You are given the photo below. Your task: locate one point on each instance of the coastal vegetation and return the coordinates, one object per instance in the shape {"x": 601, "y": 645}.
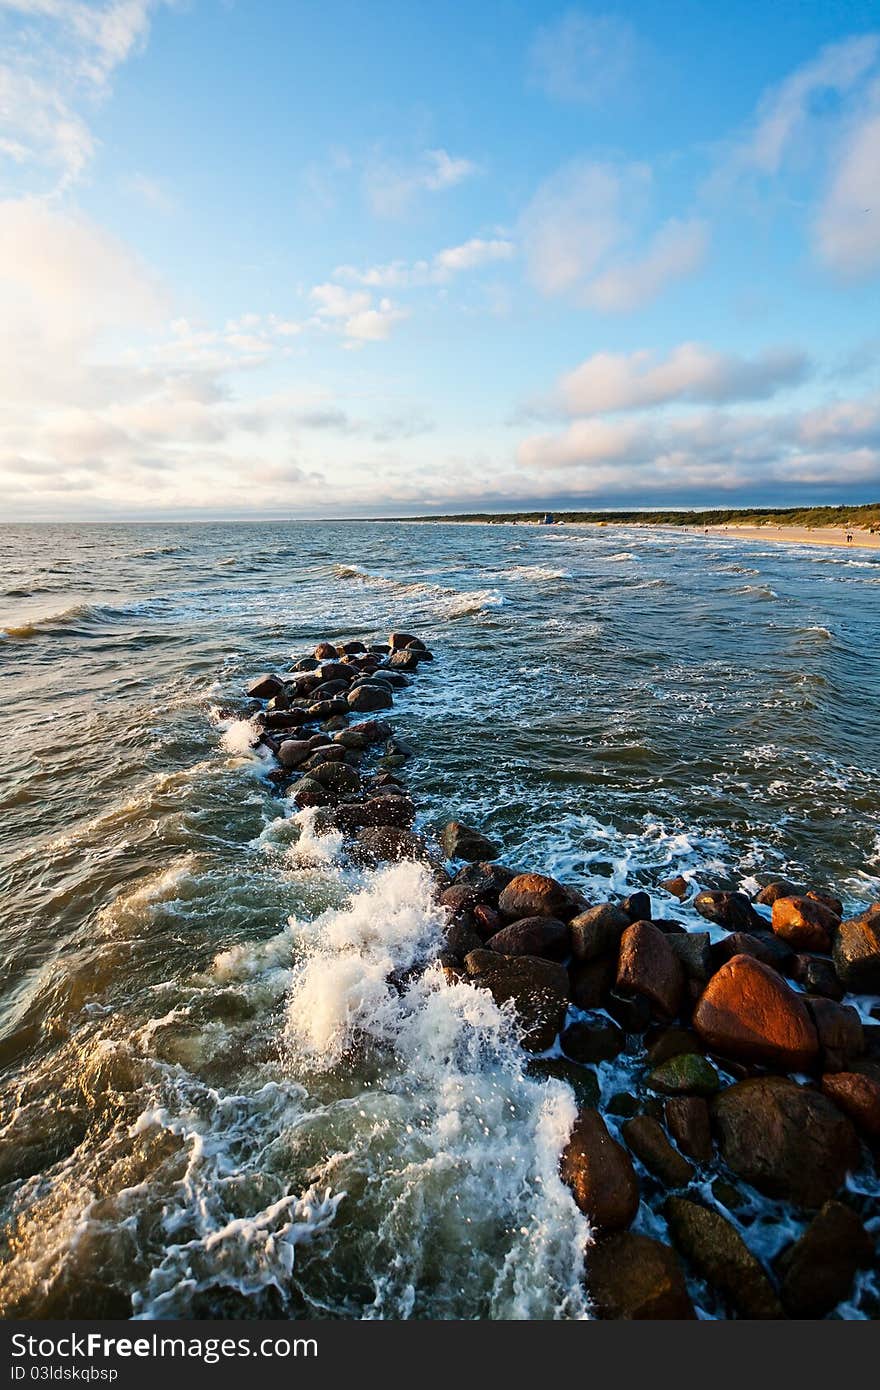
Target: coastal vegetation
{"x": 864, "y": 516}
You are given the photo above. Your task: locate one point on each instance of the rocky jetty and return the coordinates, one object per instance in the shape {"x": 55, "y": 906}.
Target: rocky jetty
{"x": 746, "y": 1055}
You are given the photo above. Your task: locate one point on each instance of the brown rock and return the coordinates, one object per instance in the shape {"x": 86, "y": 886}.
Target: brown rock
{"x": 749, "y": 1013}
{"x": 765, "y": 947}
{"x": 634, "y": 1278}
{"x": 600, "y": 1174}
{"x": 459, "y": 841}
{"x": 718, "y": 1252}
{"x": 325, "y": 651}
{"x": 839, "y": 1028}
{"x": 597, "y": 931}
{"x": 857, "y": 951}
{"x": 645, "y": 1137}
{"x": 368, "y": 697}
{"x": 787, "y": 1140}
{"x": 538, "y": 989}
{"x": 828, "y": 900}
{"x": 687, "y": 1119}
{"x": 591, "y": 980}
{"x": 858, "y": 1097}
{"x": 679, "y": 886}
{"x": 647, "y": 965}
{"x": 817, "y": 1272}
{"x": 387, "y": 842}
{"x": 536, "y": 895}
{"x": 532, "y": 936}
{"x": 731, "y": 910}
{"x": 265, "y": 687}
{"x": 779, "y": 888}
{"x": 399, "y": 640}
{"x": 805, "y": 924}
{"x": 293, "y": 752}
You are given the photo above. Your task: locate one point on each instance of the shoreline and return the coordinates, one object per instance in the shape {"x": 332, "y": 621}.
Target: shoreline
{"x": 780, "y": 535}
{"x": 694, "y": 1065}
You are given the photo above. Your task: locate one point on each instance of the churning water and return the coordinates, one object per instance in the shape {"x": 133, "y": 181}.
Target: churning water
{"x": 228, "y": 1086}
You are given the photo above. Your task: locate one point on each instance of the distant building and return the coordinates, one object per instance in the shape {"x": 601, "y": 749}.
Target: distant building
{"x": 549, "y": 519}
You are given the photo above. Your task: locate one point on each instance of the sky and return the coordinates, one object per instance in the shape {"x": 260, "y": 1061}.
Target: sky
{"x": 278, "y": 258}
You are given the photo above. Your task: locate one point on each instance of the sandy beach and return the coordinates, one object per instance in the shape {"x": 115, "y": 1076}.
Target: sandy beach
{"x": 802, "y": 535}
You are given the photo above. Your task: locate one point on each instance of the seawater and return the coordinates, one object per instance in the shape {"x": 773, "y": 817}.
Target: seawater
{"x": 229, "y": 1085}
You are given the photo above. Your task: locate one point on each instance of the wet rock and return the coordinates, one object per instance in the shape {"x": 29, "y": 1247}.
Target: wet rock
{"x": 370, "y": 696}
{"x": 804, "y": 924}
{"x": 731, "y": 910}
{"x": 591, "y": 980}
{"x": 339, "y": 777}
{"x": 632, "y": 1011}
{"x": 379, "y": 810}
{"x": 764, "y": 946}
{"x": 817, "y": 976}
{"x": 461, "y": 939}
{"x": 817, "y": 1271}
{"x": 693, "y": 950}
{"x": 536, "y": 895}
{"x": 325, "y": 651}
{"x": 489, "y": 880}
{"x": 857, "y": 951}
{"x": 597, "y": 931}
{"x": 678, "y": 887}
{"x": 327, "y": 709}
{"x": 293, "y": 752}
{"x": 459, "y": 841}
{"x": 458, "y": 898}
{"x": 687, "y": 1074}
{"x": 265, "y": 687}
{"x": 486, "y": 920}
{"x": 538, "y": 989}
{"x": 326, "y": 753}
{"x": 375, "y": 844}
{"x": 787, "y": 1140}
{"x": 840, "y": 1032}
{"x": 336, "y": 673}
{"x": 637, "y": 907}
{"x": 834, "y": 904}
{"x": 748, "y": 1012}
{"x": 634, "y": 1278}
{"x": 351, "y": 648}
{"x": 364, "y": 735}
{"x": 858, "y": 1097}
{"x": 582, "y": 1081}
{"x": 647, "y": 965}
{"x": 308, "y": 792}
{"x": 287, "y": 719}
{"x": 663, "y": 1043}
{"x": 623, "y": 1104}
{"x": 399, "y": 640}
{"x": 305, "y": 663}
{"x": 407, "y": 660}
{"x": 720, "y": 1255}
{"x": 532, "y": 936}
{"x": 779, "y": 888}
{"x": 687, "y": 1119}
{"x": 597, "y": 1041}
{"x": 645, "y": 1137}
{"x": 600, "y": 1174}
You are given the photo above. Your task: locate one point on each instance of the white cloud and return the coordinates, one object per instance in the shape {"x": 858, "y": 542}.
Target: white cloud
{"x": 847, "y": 228}
{"x": 391, "y": 187}
{"x": 473, "y": 254}
{"x": 582, "y": 58}
{"x": 609, "y": 382}
{"x": 361, "y": 320}
{"x": 374, "y": 325}
{"x": 677, "y": 250}
{"x": 453, "y": 260}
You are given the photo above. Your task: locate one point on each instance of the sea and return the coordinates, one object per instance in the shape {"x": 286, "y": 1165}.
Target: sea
{"x": 231, "y": 1082}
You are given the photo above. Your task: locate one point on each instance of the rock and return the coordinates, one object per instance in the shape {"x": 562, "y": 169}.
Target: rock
{"x": 731, "y": 910}
{"x": 817, "y": 1271}
{"x": 787, "y": 1140}
{"x": 678, "y": 887}
{"x": 461, "y": 939}
{"x": 351, "y": 648}
{"x": 647, "y": 965}
{"x": 839, "y": 1029}
{"x": 748, "y": 1012}
{"x": 459, "y": 841}
{"x": 327, "y": 709}
{"x": 600, "y": 1174}
{"x": 458, "y": 898}
{"x": 374, "y": 844}
{"x": 538, "y": 989}
{"x": 486, "y": 920}
{"x": 582, "y": 1081}
{"x": 834, "y": 905}
{"x": 325, "y": 651}
{"x": 489, "y": 880}
{"x": 379, "y": 810}
{"x": 764, "y": 946}
{"x": 632, "y": 1011}
{"x": 817, "y": 976}
{"x": 686, "y": 1074}
{"x": 364, "y": 735}
{"x": 532, "y": 936}
{"x": 591, "y": 980}
{"x": 599, "y": 1041}
{"x": 857, "y": 951}
{"x": 265, "y": 687}
{"x": 637, "y": 907}
{"x": 693, "y": 950}
{"x": 305, "y": 663}
{"x": 293, "y": 752}
{"x": 336, "y": 672}
{"x": 308, "y": 792}
{"x": 404, "y": 661}
{"x": 779, "y": 888}
{"x": 687, "y": 1119}
{"x": 804, "y": 924}
{"x": 720, "y": 1255}
{"x": 858, "y": 1097}
{"x": 328, "y": 753}
{"x": 536, "y": 895}
{"x": 339, "y": 777}
{"x": 664, "y": 1043}
{"x": 398, "y": 640}
{"x": 369, "y": 697}
{"x": 597, "y": 931}
{"x": 634, "y": 1278}
{"x": 649, "y": 1144}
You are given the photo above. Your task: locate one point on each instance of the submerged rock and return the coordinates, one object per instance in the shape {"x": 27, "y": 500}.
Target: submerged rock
{"x": 687, "y": 1119}
{"x": 634, "y": 1278}
{"x": 599, "y": 1041}
{"x": 388, "y": 842}
{"x": 720, "y": 1255}
{"x": 600, "y": 1174}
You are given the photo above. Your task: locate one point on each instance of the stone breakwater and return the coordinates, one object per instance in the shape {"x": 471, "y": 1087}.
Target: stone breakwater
{"x": 751, "y": 1048}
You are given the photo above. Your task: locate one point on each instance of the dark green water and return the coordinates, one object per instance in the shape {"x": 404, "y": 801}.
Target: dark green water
{"x": 185, "y": 964}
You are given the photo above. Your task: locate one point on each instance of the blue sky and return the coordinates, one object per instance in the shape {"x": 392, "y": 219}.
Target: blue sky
{"x": 282, "y": 259}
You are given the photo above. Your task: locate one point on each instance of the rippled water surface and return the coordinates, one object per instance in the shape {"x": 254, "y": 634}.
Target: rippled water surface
{"x": 213, "y": 1103}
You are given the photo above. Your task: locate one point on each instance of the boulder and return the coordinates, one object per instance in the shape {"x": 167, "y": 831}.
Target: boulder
{"x": 339, "y": 777}
{"x": 779, "y": 888}
{"x": 817, "y": 976}
{"x": 687, "y": 1119}
{"x": 536, "y": 895}
{"x": 537, "y": 988}
{"x": 720, "y": 1256}
{"x": 486, "y": 920}
{"x": 687, "y": 1074}
{"x": 764, "y": 946}
{"x": 374, "y": 844}
{"x": 591, "y": 980}
{"x": 678, "y": 887}
{"x": 398, "y": 640}
{"x": 787, "y": 1140}
{"x": 834, "y": 904}
{"x": 663, "y": 1043}
{"x": 379, "y": 810}
{"x": 637, "y": 907}
{"x": 370, "y": 696}
{"x": 265, "y": 687}
{"x": 731, "y": 910}
{"x": 747, "y": 1012}
{"x": 817, "y": 1271}
{"x": 532, "y": 936}
{"x": 647, "y": 965}
{"x": 598, "y": 1041}
{"x": 693, "y": 950}
{"x": 600, "y": 1174}
{"x": 582, "y": 1081}
{"x": 335, "y": 672}
{"x": 632, "y": 1011}
{"x": 406, "y": 660}
{"x": 325, "y": 651}
{"x": 840, "y": 1032}
{"x": 634, "y": 1278}
{"x": 293, "y": 752}
{"x": 857, "y": 951}
{"x": 597, "y": 931}
{"x": 488, "y": 880}
{"x": 804, "y": 924}
{"x": 858, "y": 1096}
{"x": 364, "y": 735}
{"x": 308, "y": 792}
{"x": 458, "y": 898}
{"x": 645, "y": 1137}
{"x": 459, "y": 841}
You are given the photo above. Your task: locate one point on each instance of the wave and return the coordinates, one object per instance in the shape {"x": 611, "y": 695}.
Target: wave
{"x": 622, "y": 555}
{"x": 448, "y": 603}
{"x": 758, "y": 590}
{"x": 536, "y": 572}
